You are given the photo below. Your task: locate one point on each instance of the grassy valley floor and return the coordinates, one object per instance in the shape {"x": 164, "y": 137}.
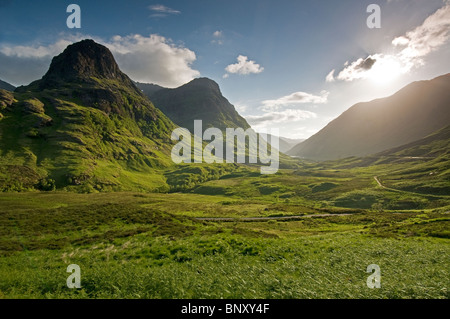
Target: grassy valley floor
{"x": 137, "y": 245}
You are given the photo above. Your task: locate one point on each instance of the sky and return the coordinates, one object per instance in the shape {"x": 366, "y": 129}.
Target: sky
{"x": 289, "y": 64}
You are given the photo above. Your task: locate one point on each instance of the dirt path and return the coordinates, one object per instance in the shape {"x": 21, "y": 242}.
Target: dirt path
{"x": 407, "y": 192}
{"x": 252, "y": 219}
{"x": 378, "y": 182}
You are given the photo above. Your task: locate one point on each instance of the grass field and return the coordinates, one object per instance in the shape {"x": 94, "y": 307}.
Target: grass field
{"x": 139, "y": 245}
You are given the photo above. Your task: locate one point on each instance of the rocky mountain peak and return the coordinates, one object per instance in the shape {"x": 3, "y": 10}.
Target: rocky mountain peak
{"x": 80, "y": 62}
{"x": 203, "y": 83}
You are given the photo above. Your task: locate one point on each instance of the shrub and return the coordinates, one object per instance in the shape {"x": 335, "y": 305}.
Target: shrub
{"x": 47, "y": 184}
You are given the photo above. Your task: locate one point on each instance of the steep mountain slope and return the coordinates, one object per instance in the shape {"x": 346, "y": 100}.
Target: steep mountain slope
{"x": 83, "y": 124}
{"x": 422, "y": 166}
{"x": 434, "y": 145}
{"x": 6, "y": 86}
{"x": 431, "y": 147}
{"x": 148, "y": 89}
{"x": 414, "y": 112}
{"x": 199, "y": 99}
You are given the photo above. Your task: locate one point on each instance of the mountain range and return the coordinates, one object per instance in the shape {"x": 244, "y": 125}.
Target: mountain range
{"x": 285, "y": 144}
{"x": 202, "y": 99}
{"x": 412, "y": 113}
{"x": 86, "y": 124}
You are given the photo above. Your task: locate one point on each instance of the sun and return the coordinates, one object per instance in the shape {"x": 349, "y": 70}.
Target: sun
{"x": 385, "y": 71}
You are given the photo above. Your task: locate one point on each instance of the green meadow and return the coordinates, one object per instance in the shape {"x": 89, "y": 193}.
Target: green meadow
{"x": 173, "y": 244}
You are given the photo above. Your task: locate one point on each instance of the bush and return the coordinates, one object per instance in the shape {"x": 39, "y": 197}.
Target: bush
{"x": 363, "y": 199}
{"x": 47, "y": 184}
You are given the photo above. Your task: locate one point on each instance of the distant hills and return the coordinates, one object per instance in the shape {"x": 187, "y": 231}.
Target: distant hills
{"x": 285, "y": 144}
{"x": 200, "y": 99}
{"x": 6, "y": 86}
{"x": 414, "y": 112}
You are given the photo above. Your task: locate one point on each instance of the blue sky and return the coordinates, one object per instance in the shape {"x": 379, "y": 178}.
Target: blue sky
{"x": 273, "y": 60}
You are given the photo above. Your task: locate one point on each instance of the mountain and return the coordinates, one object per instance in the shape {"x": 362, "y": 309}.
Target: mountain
{"x": 414, "y": 112}
{"x": 285, "y": 144}
{"x": 83, "y": 124}
{"x": 422, "y": 166}
{"x": 148, "y": 89}
{"x": 6, "y": 86}
{"x": 431, "y": 146}
{"x": 200, "y": 99}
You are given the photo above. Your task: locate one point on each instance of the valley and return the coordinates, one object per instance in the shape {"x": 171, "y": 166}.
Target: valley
{"x": 87, "y": 178}
{"x": 306, "y": 233}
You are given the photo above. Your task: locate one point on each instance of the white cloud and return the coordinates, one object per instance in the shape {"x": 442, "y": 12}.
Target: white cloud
{"x": 244, "y": 67}
{"x": 359, "y": 69}
{"x": 38, "y": 51}
{"x": 217, "y": 35}
{"x": 377, "y": 66}
{"x": 330, "y": 76}
{"x": 161, "y": 11}
{"x": 240, "y": 108}
{"x": 295, "y": 99}
{"x": 270, "y": 119}
{"x": 414, "y": 46}
{"x": 400, "y": 41}
{"x": 433, "y": 33}
{"x": 22, "y": 64}
{"x": 152, "y": 59}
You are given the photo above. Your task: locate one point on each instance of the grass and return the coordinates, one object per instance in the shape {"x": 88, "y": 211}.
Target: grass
{"x": 135, "y": 245}
{"x": 233, "y": 266}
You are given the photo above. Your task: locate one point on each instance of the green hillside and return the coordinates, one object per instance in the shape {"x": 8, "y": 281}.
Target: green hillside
{"x": 422, "y": 166}
{"x": 83, "y": 125}
{"x": 434, "y": 145}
